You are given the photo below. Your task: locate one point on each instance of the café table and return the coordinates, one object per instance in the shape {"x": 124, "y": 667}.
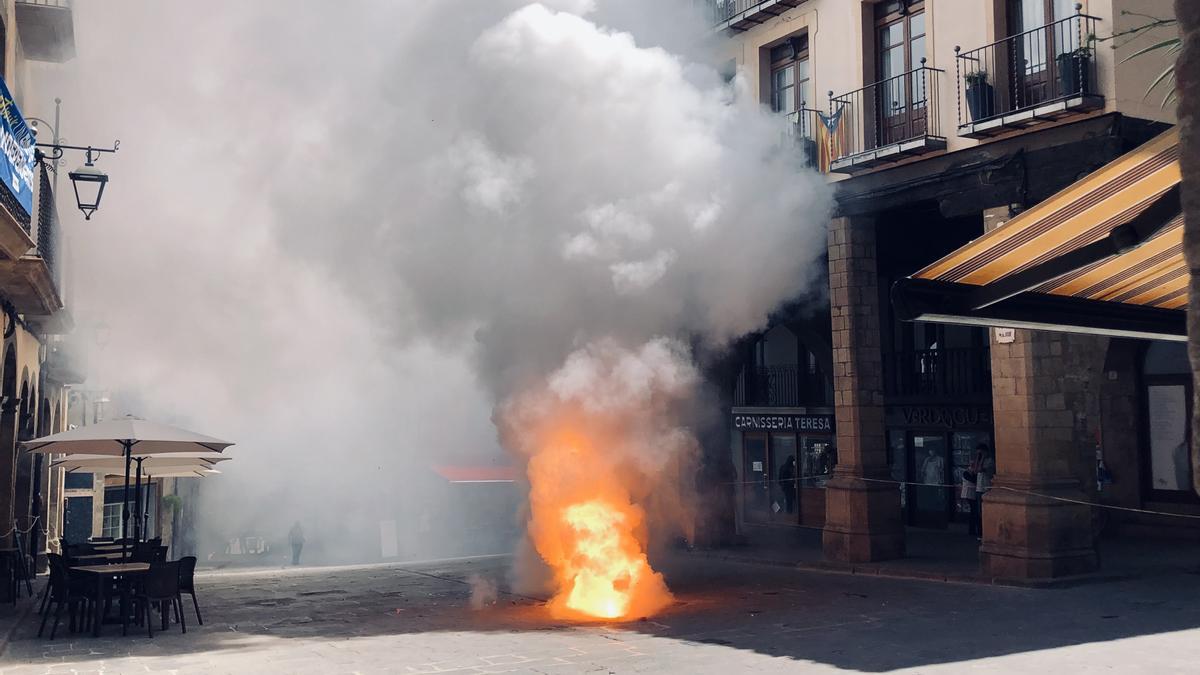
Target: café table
{"x": 97, "y": 558}
{"x": 103, "y": 574}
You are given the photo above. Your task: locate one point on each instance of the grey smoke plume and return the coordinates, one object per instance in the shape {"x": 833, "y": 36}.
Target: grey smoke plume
{"x": 340, "y": 233}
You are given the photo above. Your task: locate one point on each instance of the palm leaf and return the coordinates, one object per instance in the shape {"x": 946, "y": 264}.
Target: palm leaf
{"x": 1172, "y": 46}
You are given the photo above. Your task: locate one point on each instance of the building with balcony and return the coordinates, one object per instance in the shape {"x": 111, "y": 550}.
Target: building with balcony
{"x": 33, "y": 371}
{"x": 935, "y": 122}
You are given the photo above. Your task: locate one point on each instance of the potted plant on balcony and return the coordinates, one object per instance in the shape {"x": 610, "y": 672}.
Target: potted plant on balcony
{"x": 1074, "y": 70}
{"x": 981, "y": 97}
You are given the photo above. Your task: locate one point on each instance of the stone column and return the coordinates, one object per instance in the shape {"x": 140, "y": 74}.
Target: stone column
{"x": 8, "y": 468}
{"x": 1187, "y": 89}
{"x": 862, "y": 517}
{"x": 1027, "y": 534}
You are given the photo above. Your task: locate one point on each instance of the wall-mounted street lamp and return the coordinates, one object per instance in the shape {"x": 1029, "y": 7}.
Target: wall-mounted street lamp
{"x": 88, "y": 181}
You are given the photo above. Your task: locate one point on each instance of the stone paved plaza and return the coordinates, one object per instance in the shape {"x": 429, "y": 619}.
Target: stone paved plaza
{"x": 730, "y": 617}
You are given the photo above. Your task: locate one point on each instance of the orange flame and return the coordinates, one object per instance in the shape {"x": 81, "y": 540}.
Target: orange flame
{"x": 602, "y": 445}
{"x": 591, "y": 535}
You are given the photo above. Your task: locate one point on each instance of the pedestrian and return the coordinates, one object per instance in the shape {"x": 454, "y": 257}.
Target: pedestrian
{"x": 985, "y": 469}
{"x": 787, "y": 482}
{"x": 966, "y": 496}
{"x": 296, "y": 539}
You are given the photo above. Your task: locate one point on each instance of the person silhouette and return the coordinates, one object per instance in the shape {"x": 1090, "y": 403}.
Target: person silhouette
{"x": 296, "y": 539}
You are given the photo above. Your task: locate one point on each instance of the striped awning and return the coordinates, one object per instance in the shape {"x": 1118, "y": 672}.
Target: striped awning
{"x": 1110, "y": 245}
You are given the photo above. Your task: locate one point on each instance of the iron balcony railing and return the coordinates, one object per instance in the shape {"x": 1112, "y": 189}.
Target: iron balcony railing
{"x": 47, "y": 224}
{"x": 802, "y": 134}
{"x": 889, "y": 112}
{"x": 938, "y": 372}
{"x": 747, "y": 11}
{"x": 782, "y": 386}
{"x": 1027, "y": 70}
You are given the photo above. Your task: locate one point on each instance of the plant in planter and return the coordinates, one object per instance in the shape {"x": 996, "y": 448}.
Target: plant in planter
{"x": 981, "y": 97}
{"x": 1075, "y": 68}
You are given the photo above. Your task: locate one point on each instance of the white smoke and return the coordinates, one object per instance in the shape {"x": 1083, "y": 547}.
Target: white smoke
{"x": 338, "y": 233}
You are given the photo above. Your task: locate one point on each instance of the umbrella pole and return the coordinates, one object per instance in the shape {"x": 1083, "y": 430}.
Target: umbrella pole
{"x": 137, "y": 503}
{"x": 125, "y": 503}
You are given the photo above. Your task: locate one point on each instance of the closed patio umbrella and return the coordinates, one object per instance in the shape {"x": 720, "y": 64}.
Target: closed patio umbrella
{"x": 128, "y": 438}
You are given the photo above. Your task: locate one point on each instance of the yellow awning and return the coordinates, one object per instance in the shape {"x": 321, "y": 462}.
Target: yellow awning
{"x": 1113, "y": 238}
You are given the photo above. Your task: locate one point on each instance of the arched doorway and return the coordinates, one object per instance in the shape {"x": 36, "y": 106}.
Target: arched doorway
{"x": 23, "y": 506}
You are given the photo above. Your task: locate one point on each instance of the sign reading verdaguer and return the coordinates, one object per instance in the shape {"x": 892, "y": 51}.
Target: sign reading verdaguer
{"x": 17, "y": 143}
{"x": 782, "y": 422}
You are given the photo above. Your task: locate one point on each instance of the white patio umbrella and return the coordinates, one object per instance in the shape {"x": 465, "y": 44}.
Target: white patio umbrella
{"x": 97, "y": 463}
{"x": 176, "y": 472}
{"x": 119, "y": 438}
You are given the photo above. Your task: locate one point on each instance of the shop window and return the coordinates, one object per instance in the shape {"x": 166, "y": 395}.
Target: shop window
{"x": 1167, "y": 399}
{"x": 784, "y": 477}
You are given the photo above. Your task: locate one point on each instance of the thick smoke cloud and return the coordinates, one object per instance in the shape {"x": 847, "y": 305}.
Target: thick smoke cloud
{"x": 341, "y": 233}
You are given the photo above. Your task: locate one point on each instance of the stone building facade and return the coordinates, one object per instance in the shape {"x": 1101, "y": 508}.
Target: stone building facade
{"x": 37, "y": 365}
{"x": 913, "y": 402}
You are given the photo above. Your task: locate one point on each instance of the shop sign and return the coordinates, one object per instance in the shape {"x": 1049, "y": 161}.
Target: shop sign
{"x": 17, "y": 156}
{"x": 943, "y": 417}
{"x": 783, "y": 422}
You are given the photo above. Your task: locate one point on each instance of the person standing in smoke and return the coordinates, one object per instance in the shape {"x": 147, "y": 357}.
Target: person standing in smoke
{"x": 787, "y": 482}
{"x": 296, "y": 539}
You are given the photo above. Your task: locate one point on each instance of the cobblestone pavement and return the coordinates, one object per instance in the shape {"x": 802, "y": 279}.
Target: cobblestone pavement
{"x": 730, "y": 617}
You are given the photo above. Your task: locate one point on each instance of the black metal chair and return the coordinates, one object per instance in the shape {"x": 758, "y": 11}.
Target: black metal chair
{"x": 187, "y": 583}
{"x": 160, "y": 587}
{"x": 65, "y": 593}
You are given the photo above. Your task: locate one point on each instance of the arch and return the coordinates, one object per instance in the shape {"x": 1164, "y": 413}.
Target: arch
{"x": 45, "y": 424}
{"x": 8, "y": 380}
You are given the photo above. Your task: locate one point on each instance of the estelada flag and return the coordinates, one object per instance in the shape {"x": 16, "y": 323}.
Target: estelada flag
{"x": 829, "y": 138}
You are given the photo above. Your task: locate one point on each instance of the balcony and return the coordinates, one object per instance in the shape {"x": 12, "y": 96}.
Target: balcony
{"x": 47, "y": 29}
{"x": 1043, "y": 74}
{"x": 31, "y": 280}
{"x": 788, "y": 386}
{"x": 16, "y": 227}
{"x": 887, "y": 121}
{"x": 736, "y": 16}
{"x": 938, "y": 374}
{"x": 801, "y": 134}
{"x": 66, "y": 362}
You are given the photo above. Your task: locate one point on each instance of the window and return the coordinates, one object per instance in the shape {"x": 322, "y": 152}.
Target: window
{"x": 791, "y": 84}
{"x": 111, "y": 526}
{"x": 900, "y": 42}
{"x": 77, "y": 481}
{"x": 900, "y": 47}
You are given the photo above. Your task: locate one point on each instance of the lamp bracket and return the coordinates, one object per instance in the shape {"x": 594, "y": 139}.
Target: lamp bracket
{"x": 56, "y": 151}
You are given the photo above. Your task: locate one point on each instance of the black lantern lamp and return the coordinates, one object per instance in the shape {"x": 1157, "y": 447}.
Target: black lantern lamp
{"x": 89, "y": 185}
{"x": 88, "y": 181}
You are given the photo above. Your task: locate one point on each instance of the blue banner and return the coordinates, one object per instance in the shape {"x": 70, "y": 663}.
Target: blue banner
{"x": 16, "y": 151}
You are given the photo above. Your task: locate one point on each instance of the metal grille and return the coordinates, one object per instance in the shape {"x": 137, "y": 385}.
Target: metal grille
{"x": 18, "y": 212}
{"x": 47, "y": 232}
{"x": 1021, "y": 72}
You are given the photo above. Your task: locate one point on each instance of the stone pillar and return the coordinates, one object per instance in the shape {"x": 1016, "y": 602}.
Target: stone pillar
{"x": 8, "y": 469}
{"x": 1027, "y": 534}
{"x": 862, "y": 517}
